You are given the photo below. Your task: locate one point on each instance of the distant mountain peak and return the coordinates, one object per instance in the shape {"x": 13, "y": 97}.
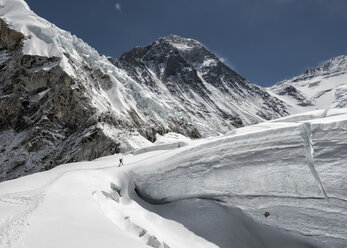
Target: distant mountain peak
{"x": 186, "y": 74}
{"x": 335, "y": 64}
{"x": 64, "y": 102}
{"x": 318, "y": 88}
{"x": 180, "y": 43}
{"x": 342, "y": 59}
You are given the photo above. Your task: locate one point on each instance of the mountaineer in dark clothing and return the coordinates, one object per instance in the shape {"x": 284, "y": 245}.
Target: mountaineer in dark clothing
{"x": 120, "y": 162}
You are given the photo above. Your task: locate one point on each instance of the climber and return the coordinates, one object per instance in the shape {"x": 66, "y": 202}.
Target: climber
{"x": 120, "y": 162}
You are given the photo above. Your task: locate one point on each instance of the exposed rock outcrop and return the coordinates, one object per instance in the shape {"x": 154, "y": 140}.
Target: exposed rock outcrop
{"x": 189, "y": 77}
{"x": 45, "y": 116}
{"x": 61, "y": 101}
{"x": 48, "y": 117}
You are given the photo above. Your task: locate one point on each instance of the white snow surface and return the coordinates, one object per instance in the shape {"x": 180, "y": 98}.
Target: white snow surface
{"x": 324, "y": 87}
{"x": 283, "y": 167}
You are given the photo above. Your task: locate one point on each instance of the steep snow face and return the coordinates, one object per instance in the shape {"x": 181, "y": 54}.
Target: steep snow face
{"x": 110, "y": 88}
{"x": 193, "y": 81}
{"x": 293, "y": 168}
{"x": 44, "y": 39}
{"x": 62, "y": 102}
{"x": 319, "y": 88}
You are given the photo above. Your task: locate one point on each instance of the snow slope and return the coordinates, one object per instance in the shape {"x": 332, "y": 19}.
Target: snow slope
{"x": 319, "y": 88}
{"x": 283, "y": 167}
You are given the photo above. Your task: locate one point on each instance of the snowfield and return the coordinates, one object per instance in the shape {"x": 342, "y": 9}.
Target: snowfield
{"x": 319, "y": 88}
{"x": 206, "y": 193}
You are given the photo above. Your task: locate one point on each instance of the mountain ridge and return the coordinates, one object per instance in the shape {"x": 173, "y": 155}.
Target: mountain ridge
{"x": 321, "y": 87}
{"x": 63, "y": 102}
{"x": 173, "y": 60}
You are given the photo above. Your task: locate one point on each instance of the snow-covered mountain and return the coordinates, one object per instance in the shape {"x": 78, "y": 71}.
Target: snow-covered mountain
{"x": 280, "y": 183}
{"x": 191, "y": 79}
{"x": 276, "y": 184}
{"x": 319, "y": 88}
{"x": 61, "y": 101}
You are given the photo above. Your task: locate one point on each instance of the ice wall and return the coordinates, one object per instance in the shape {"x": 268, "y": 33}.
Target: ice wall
{"x": 286, "y": 168}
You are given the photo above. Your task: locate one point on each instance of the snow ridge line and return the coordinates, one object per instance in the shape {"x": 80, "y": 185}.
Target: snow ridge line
{"x": 306, "y": 134}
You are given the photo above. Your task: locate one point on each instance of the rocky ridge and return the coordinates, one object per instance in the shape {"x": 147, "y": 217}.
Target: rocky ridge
{"x": 61, "y": 101}
{"x": 188, "y": 77}
{"x": 322, "y": 87}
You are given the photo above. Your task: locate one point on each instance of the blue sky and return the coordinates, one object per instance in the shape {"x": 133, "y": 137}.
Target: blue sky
{"x": 265, "y": 41}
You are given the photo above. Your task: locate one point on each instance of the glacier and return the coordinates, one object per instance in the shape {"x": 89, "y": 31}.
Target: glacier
{"x": 211, "y": 192}
{"x": 269, "y": 167}
{"x": 280, "y": 183}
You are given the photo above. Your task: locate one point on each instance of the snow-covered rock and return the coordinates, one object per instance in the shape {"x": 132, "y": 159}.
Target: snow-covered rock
{"x": 319, "y": 88}
{"x": 61, "y": 101}
{"x": 193, "y": 81}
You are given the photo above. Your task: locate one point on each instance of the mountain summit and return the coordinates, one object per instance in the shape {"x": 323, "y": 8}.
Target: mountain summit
{"x": 61, "y": 101}
{"x": 193, "y": 81}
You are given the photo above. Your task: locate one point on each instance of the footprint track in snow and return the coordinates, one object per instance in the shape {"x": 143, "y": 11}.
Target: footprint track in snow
{"x": 12, "y": 227}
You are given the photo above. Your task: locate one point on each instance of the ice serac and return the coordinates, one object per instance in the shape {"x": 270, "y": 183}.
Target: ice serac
{"x": 60, "y": 101}
{"x": 269, "y": 167}
{"x": 190, "y": 79}
{"x": 318, "y": 88}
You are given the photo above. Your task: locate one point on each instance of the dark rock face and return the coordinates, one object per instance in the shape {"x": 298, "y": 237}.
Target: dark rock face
{"x": 9, "y": 37}
{"x": 48, "y": 117}
{"x": 184, "y": 71}
{"x": 43, "y": 119}
{"x": 293, "y": 92}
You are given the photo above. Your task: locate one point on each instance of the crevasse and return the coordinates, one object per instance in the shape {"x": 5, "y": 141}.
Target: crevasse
{"x": 306, "y": 134}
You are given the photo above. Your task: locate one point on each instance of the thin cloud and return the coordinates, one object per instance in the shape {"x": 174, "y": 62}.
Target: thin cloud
{"x": 118, "y": 7}
{"x": 227, "y": 62}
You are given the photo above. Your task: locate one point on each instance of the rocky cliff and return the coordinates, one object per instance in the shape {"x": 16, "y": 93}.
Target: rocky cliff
{"x": 61, "y": 101}
{"x": 191, "y": 79}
